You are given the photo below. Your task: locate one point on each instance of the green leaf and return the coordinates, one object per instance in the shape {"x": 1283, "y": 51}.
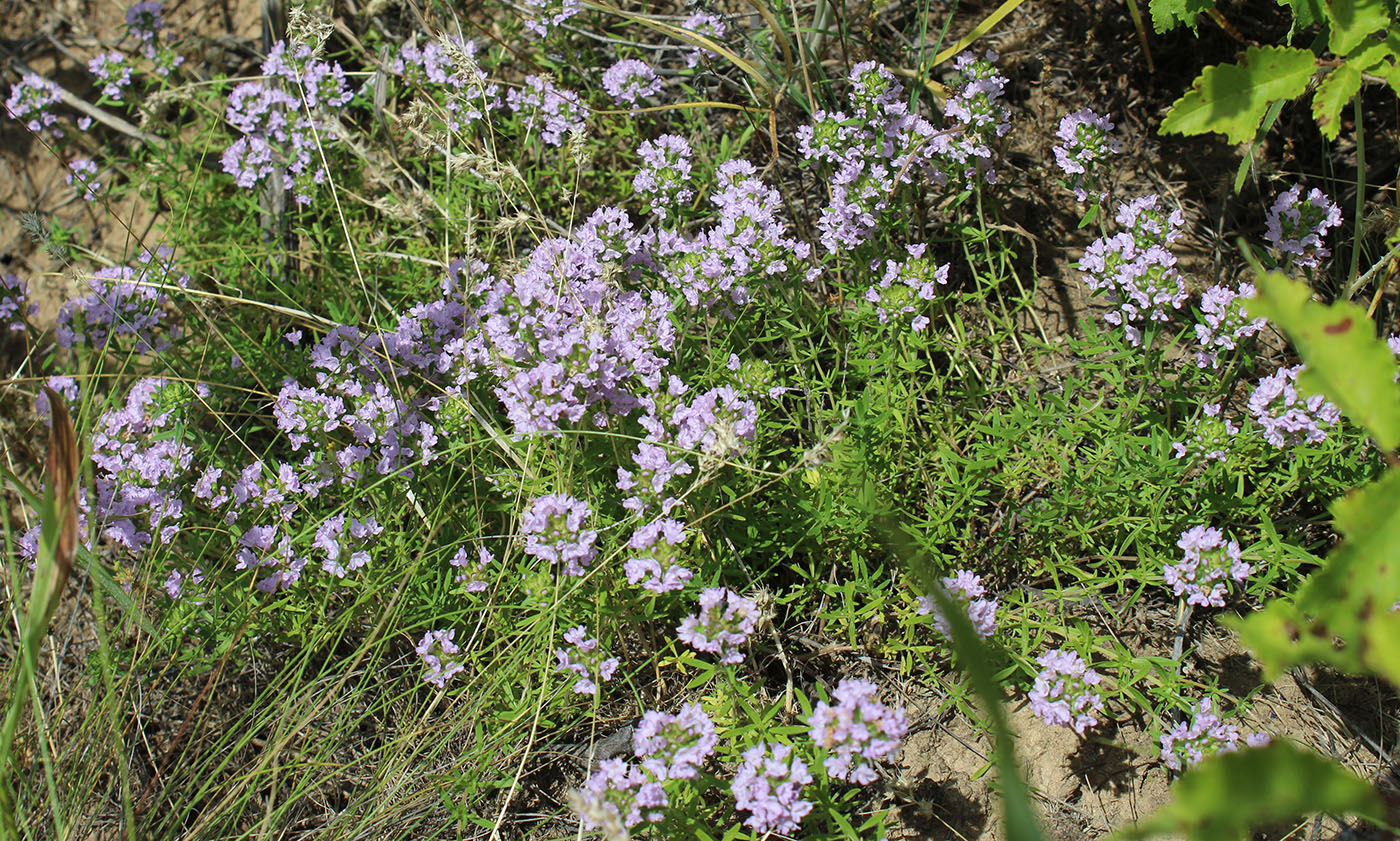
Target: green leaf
{"x": 1392, "y": 78}
{"x": 1305, "y": 12}
{"x": 1346, "y": 361}
{"x": 1352, "y": 21}
{"x": 1229, "y": 794}
{"x": 1342, "y": 613}
{"x": 1232, "y": 98}
{"x": 1370, "y": 54}
{"x": 1169, "y": 14}
{"x": 1334, "y": 93}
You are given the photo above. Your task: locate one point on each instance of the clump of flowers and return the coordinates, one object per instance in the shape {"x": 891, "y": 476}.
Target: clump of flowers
{"x": 630, "y": 80}
{"x": 1209, "y": 564}
{"x": 82, "y": 176}
{"x": 31, "y": 101}
{"x": 345, "y": 547}
{"x": 1142, "y": 283}
{"x": 702, "y": 23}
{"x": 1149, "y": 223}
{"x": 547, "y": 14}
{"x": 674, "y": 747}
{"x": 124, "y": 302}
{"x": 461, "y": 560}
{"x": 438, "y": 653}
{"x": 720, "y": 423}
{"x": 664, "y": 177}
{"x": 768, "y": 785}
{"x": 906, "y": 287}
{"x": 648, "y": 482}
{"x": 177, "y": 581}
{"x": 655, "y": 551}
{"x": 586, "y": 658}
{"x": 965, "y": 587}
{"x": 857, "y": 731}
{"x": 722, "y": 624}
{"x": 1296, "y": 226}
{"x": 1224, "y": 323}
{"x": 447, "y": 71}
{"x": 145, "y": 21}
{"x": 113, "y": 71}
{"x": 976, "y": 114}
{"x": 1289, "y": 418}
{"x": 617, "y": 797}
{"x": 1064, "y": 692}
{"x": 554, "y": 531}
{"x": 554, "y": 111}
{"x": 1083, "y": 152}
{"x": 1210, "y": 440}
{"x": 1206, "y": 735}
{"x": 15, "y": 305}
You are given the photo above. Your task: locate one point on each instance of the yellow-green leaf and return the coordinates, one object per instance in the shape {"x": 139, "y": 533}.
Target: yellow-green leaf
{"x": 1352, "y": 20}
{"x": 1334, "y": 93}
{"x": 1232, "y": 98}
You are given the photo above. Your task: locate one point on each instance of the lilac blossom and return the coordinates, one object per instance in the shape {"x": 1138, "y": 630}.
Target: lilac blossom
{"x": 1287, "y": 417}
{"x": 438, "y": 652}
{"x": 585, "y": 658}
{"x": 674, "y": 747}
{"x": 113, "y": 71}
{"x": 906, "y": 288}
{"x": 708, "y": 25}
{"x": 1210, "y": 439}
{"x": 554, "y": 111}
{"x": 345, "y": 547}
{"x": 856, "y": 732}
{"x": 630, "y": 80}
{"x": 447, "y": 71}
{"x": 472, "y": 578}
{"x": 1148, "y": 222}
{"x": 1142, "y": 284}
{"x": 965, "y": 588}
{"x": 1296, "y": 226}
{"x": 722, "y": 624}
{"x": 1207, "y": 567}
{"x": 1185, "y": 745}
{"x": 648, "y": 482}
{"x": 82, "y": 175}
{"x": 145, "y": 20}
{"x": 768, "y": 785}
{"x": 547, "y": 14}
{"x": 654, "y": 554}
{"x": 1224, "y": 322}
{"x": 15, "y": 306}
{"x": 1083, "y": 152}
{"x": 718, "y": 422}
{"x": 1064, "y": 692}
{"x": 664, "y": 176}
{"x": 617, "y": 797}
{"x": 554, "y": 531}
{"x": 177, "y": 581}
{"x": 976, "y": 114}
{"x": 31, "y": 100}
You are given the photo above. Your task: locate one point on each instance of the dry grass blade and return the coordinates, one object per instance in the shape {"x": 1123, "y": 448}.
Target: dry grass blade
{"x": 60, "y": 540}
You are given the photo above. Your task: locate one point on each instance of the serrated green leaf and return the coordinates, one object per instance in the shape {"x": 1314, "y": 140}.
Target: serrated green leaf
{"x": 1331, "y": 96}
{"x": 1229, "y": 794}
{"x": 1305, "y": 12}
{"x": 1232, "y": 98}
{"x": 1169, "y": 14}
{"x": 1346, "y": 361}
{"x": 1352, "y": 20}
{"x": 1369, "y": 54}
{"x": 1392, "y": 78}
{"x": 1342, "y": 613}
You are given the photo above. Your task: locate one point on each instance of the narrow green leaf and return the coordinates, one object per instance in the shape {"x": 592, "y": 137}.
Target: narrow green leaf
{"x": 1332, "y": 95}
{"x": 1232, "y": 98}
{"x": 1229, "y": 794}
{"x": 1352, "y": 20}
{"x": 1346, "y": 361}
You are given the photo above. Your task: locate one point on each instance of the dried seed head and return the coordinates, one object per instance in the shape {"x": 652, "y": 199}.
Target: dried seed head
{"x": 311, "y": 28}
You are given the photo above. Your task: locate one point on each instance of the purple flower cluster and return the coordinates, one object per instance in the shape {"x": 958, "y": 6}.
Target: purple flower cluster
{"x": 905, "y": 288}
{"x": 82, "y": 176}
{"x": 113, "y": 71}
{"x": 1224, "y": 323}
{"x": 1064, "y": 694}
{"x": 1206, "y": 735}
{"x": 964, "y": 587}
{"x": 15, "y": 305}
{"x": 31, "y": 101}
{"x": 145, "y": 21}
{"x": 1210, "y": 439}
{"x": 655, "y": 554}
{"x": 617, "y": 797}
{"x": 1289, "y": 418}
{"x": 472, "y": 579}
{"x": 664, "y": 177}
{"x": 554, "y": 111}
{"x": 648, "y": 482}
{"x": 856, "y": 732}
{"x": 450, "y": 75}
{"x": 722, "y": 624}
{"x": 587, "y": 659}
{"x": 708, "y": 25}
{"x": 768, "y": 785}
{"x": 977, "y": 116}
{"x": 554, "y": 531}
{"x": 177, "y": 581}
{"x": 285, "y": 121}
{"x": 124, "y": 301}
{"x": 1135, "y": 269}
{"x": 630, "y": 80}
{"x": 1149, "y": 223}
{"x": 1295, "y": 226}
{"x": 547, "y": 14}
{"x": 674, "y": 747}
{"x": 1083, "y": 152}
{"x": 345, "y": 547}
{"x": 1210, "y": 563}
{"x": 438, "y": 653}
